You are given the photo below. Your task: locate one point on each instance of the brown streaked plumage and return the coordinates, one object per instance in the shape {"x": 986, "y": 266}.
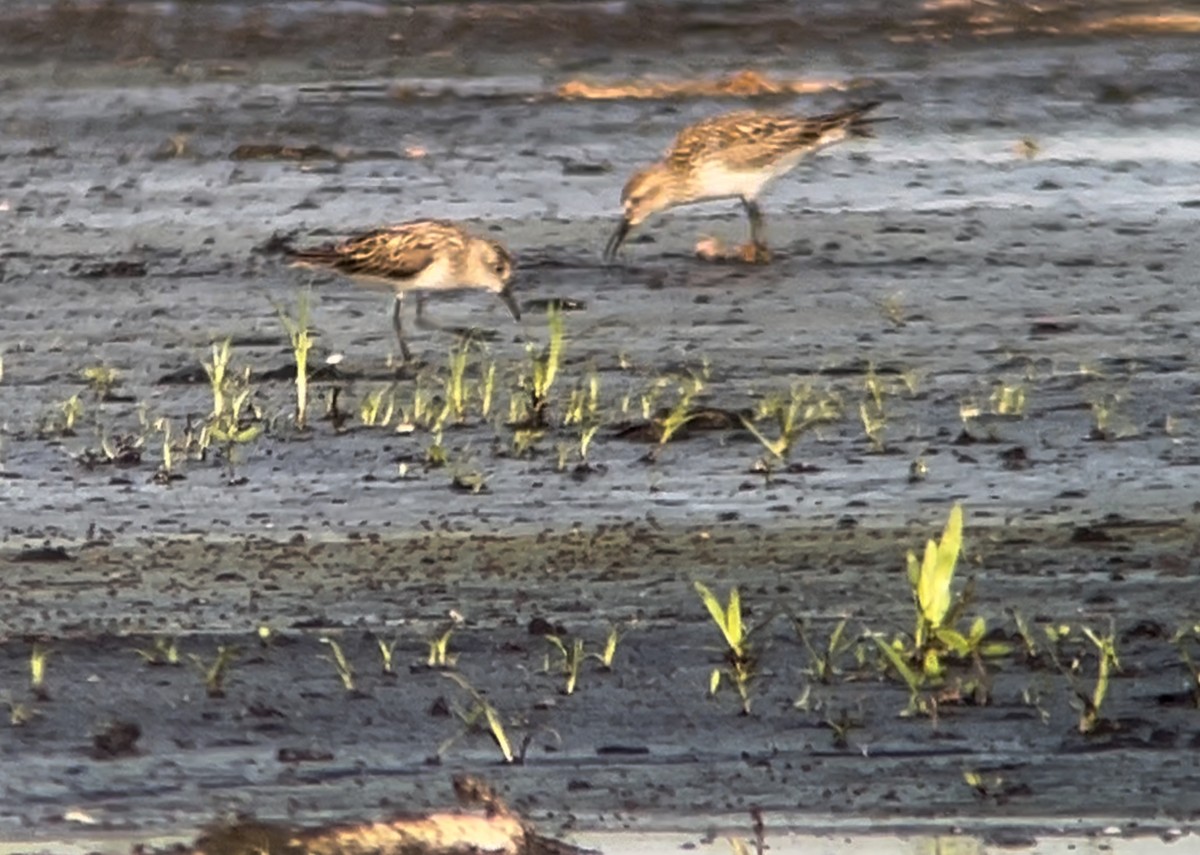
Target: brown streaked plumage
{"x": 421, "y": 256}
{"x": 733, "y": 155}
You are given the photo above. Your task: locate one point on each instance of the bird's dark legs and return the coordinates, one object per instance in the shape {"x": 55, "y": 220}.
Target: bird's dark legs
{"x": 398, "y": 326}
{"x": 424, "y": 321}
{"x": 756, "y": 251}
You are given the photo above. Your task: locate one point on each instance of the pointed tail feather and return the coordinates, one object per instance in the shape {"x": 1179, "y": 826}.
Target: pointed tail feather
{"x": 856, "y": 121}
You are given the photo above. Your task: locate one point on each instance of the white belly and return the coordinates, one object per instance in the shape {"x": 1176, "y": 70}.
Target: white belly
{"x": 717, "y": 181}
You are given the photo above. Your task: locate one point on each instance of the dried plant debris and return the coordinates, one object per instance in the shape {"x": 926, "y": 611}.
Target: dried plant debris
{"x": 741, "y": 84}
{"x": 497, "y": 831}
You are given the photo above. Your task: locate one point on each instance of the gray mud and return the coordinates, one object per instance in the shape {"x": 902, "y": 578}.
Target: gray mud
{"x": 937, "y": 259}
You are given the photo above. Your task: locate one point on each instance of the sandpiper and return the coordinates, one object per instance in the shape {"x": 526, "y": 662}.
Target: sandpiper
{"x": 733, "y": 155}
{"x": 421, "y": 256}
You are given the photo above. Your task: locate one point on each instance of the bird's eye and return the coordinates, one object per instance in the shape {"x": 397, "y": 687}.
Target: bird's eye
{"x": 501, "y": 267}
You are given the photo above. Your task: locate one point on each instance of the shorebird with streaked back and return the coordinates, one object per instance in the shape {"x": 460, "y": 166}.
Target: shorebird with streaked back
{"x": 421, "y": 256}
{"x": 733, "y": 156}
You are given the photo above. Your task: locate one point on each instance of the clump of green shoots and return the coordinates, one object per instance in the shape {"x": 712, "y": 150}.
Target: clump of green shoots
{"x": 1184, "y": 641}
{"x": 38, "y": 658}
{"x": 166, "y": 470}
{"x": 573, "y": 655}
{"x": 1089, "y": 704}
{"x": 164, "y": 651}
{"x": 345, "y": 670}
{"x": 439, "y": 645}
{"x": 824, "y": 662}
{"x": 572, "y": 659}
{"x": 672, "y": 420}
{"x": 938, "y": 612}
{"x": 482, "y": 712}
{"x": 101, "y": 379}
{"x": 1008, "y": 399}
{"x": 741, "y": 659}
{"x": 377, "y": 406}
{"x": 63, "y": 422}
{"x": 583, "y": 411}
{"x": 228, "y": 423}
{"x": 794, "y": 414}
{"x": 299, "y": 333}
{"x": 456, "y": 393}
{"x": 216, "y": 672}
{"x": 387, "y": 656}
{"x": 544, "y": 370}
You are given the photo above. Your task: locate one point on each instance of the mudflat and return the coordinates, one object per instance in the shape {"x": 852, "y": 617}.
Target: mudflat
{"x": 991, "y": 304}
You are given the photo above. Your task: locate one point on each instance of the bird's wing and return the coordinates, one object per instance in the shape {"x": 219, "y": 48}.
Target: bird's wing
{"x": 397, "y": 252}
{"x": 749, "y": 140}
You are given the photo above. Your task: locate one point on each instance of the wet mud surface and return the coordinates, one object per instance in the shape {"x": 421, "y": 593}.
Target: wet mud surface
{"x": 1001, "y": 287}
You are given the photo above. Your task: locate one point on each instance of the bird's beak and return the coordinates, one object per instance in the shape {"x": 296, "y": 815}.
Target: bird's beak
{"x": 614, "y": 242}
{"x": 506, "y": 296}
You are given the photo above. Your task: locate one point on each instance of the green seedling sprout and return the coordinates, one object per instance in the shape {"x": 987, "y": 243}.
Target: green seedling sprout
{"x": 456, "y": 384}
{"x": 387, "y": 651}
{"x": 216, "y": 673}
{"x": 874, "y": 386}
{"x": 841, "y": 727}
{"x": 439, "y": 656}
{"x": 100, "y": 379}
{"x": 20, "y": 714}
{"x": 1024, "y": 633}
{"x": 740, "y": 657}
{"x": 793, "y": 415}
{"x": 216, "y": 370}
{"x": 606, "y": 656}
{"x": 266, "y": 635}
{"x": 345, "y": 670}
{"x": 72, "y": 409}
{"x": 1090, "y": 705}
{"x": 545, "y": 366}
{"x": 38, "y": 658}
{"x": 168, "y": 460}
{"x": 874, "y": 422}
{"x": 914, "y": 679}
{"x": 824, "y": 663}
{"x": 1183, "y": 641}
{"x": 931, "y": 579}
{"x": 572, "y": 659}
{"x": 377, "y": 406}
{"x": 1008, "y": 400}
{"x": 163, "y": 652}
{"x": 487, "y": 390}
{"x": 299, "y": 332}
{"x": 481, "y": 710}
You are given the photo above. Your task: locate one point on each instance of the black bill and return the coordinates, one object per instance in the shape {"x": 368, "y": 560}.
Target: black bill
{"x": 506, "y": 296}
{"x": 614, "y": 242}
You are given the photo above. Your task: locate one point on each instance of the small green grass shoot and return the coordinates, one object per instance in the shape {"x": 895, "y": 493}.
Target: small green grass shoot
{"x": 544, "y": 368}
{"x": 375, "y": 409}
{"x": 609, "y": 653}
{"x": 794, "y": 415}
{"x": 439, "y": 645}
{"x": 345, "y": 669}
{"x": 740, "y": 657}
{"x": 39, "y": 656}
{"x": 299, "y": 333}
{"x": 572, "y": 659}
{"x": 1090, "y": 705}
{"x": 481, "y": 712}
{"x": 824, "y": 662}
{"x": 216, "y": 672}
{"x": 1184, "y": 641}
{"x": 101, "y": 379}
{"x": 387, "y": 656}
{"x": 164, "y": 651}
